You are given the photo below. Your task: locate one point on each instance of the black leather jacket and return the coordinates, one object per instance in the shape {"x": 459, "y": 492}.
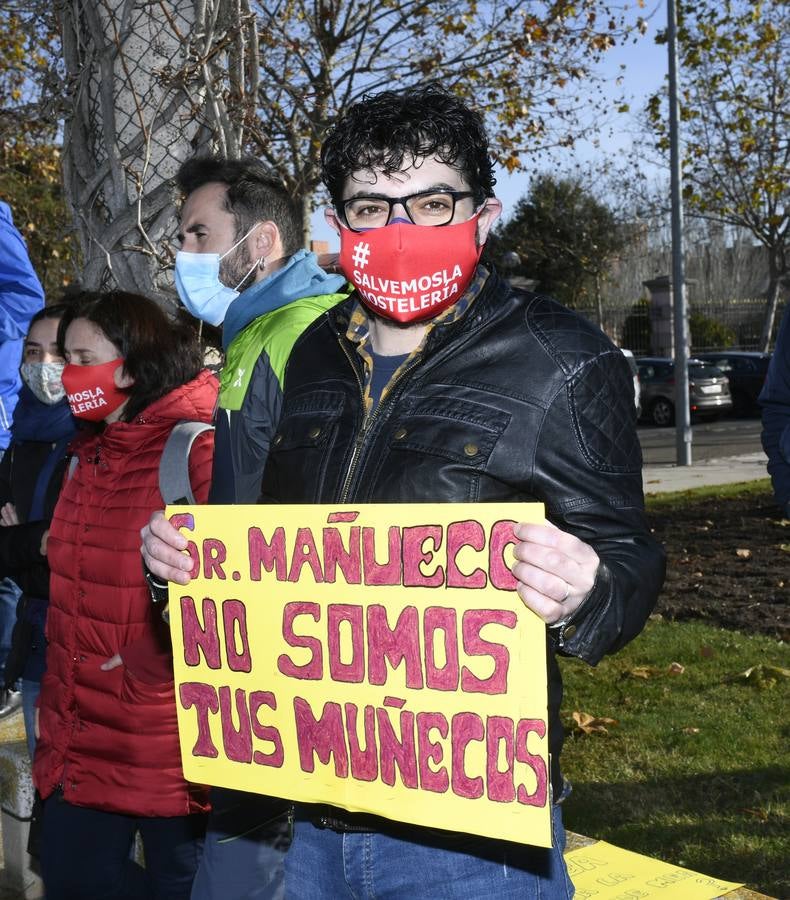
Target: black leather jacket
{"x": 520, "y": 399}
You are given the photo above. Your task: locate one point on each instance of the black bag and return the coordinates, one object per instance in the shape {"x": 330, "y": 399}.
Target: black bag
{"x": 34, "y": 836}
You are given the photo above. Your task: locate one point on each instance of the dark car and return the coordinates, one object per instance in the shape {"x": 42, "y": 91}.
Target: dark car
{"x": 709, "y": 389}
{"x": 746, "y": 372}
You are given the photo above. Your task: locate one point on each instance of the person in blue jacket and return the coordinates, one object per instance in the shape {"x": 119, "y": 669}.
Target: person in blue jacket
{"x": 775, "y": 401}
{"x": 21, "y": 296}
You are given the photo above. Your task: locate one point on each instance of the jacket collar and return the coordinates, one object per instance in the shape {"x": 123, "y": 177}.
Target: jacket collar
{"x": 299, "y": 278}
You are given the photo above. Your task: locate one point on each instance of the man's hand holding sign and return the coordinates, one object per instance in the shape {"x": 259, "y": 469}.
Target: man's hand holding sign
{"x": 555, "y": 570}
{"x": 377, "y": 659}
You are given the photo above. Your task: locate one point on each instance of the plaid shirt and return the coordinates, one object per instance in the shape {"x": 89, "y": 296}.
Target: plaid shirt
{"x": 359, "y": 333}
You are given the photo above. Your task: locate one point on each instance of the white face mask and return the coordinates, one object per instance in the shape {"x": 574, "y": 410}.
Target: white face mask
{"x": 199, "y": 287}
{"x": 43, "y": 379}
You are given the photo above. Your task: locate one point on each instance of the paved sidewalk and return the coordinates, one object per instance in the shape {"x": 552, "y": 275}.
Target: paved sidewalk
{"x": 727, "y": 470}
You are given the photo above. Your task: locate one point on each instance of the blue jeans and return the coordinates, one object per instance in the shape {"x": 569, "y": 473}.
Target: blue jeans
{"x": 30, "y": 692}
{"x": 325, "y": 865}
{"x": 85, "y": 854}
{"x": 9, "y": 597}
{"x": 244, "y": 850}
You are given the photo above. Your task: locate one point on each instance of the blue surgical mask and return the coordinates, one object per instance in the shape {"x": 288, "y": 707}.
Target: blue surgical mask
{"x": 199, "y": 287}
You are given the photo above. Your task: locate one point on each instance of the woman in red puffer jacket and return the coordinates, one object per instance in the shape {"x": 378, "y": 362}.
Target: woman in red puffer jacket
{"x": 107, "y": 763}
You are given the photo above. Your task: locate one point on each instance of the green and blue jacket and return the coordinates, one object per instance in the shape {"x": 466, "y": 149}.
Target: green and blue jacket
{"x": 261, "y": 327}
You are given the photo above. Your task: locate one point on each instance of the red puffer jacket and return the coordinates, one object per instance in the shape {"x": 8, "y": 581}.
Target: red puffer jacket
{"x": 110, "y": 738}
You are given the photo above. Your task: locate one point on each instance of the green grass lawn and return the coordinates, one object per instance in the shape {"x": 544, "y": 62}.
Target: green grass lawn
{"x": 695, "y": 772}
{"x": 717, "y": 491}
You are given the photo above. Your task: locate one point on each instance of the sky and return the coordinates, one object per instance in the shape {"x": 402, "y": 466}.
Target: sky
{"x": 645, "y": 68}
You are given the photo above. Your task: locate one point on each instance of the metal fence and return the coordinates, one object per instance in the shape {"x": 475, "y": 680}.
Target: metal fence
{"x": 734, "y": 324}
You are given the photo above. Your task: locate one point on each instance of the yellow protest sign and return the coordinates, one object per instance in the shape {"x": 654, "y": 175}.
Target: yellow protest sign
{"x": 605, "y": 872}
{"x": 375, "y": 658}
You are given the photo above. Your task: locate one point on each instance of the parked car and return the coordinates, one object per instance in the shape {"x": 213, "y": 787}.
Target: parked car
{"x": 635, "y": 372}
{"x": 746, "y": 371}
{"x": 709, "y": 389}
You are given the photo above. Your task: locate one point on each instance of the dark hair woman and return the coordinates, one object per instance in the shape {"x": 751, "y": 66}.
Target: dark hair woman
{"x": 31, "y": 473}
{"x": 107, "y": 762}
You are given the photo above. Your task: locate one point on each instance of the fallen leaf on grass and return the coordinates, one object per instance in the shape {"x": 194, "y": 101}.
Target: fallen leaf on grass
{"x": 691, "y": 730}
{"x": 646, "y": 672}
{"x": 760, "y": 814}
{"x": 587, "y": 724}
{"x": 643, "y": 672}
{"x": 761, "y": 675}
{"x": 743, "y": 553}
{"x": 706, "y": 652}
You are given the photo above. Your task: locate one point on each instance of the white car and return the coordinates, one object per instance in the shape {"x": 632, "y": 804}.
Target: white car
{"x": 635, "y": 372}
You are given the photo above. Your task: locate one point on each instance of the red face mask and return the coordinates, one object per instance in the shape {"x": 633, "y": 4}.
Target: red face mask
{"x": 92, "y": 392}
{"x": 410, "y": 272}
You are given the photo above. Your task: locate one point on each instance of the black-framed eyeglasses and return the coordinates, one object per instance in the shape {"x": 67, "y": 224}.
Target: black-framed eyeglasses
{"x": 423, "y": 208}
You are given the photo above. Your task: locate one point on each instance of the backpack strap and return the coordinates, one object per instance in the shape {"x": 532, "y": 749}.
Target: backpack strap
{"x": 174, "y": 483}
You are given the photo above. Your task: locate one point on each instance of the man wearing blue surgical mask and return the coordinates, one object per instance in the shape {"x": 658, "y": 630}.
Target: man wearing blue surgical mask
{"x": 241, "y": 265}
{"x": 212, "y": 264}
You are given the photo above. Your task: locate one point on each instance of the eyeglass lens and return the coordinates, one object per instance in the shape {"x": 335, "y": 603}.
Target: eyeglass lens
{"x": 433, "y": 208}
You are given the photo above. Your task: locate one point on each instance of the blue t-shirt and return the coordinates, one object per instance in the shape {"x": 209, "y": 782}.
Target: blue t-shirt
{"x": 384, "y": 367}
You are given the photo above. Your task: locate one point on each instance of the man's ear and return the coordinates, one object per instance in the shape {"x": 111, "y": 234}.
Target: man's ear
{"x": 331, "y": 219}
{"x": 491, "y": 211}
{"x": 265, "y": 242}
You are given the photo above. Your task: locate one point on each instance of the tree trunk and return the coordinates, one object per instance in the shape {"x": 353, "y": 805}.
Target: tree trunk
{"x": 307, "y": 212}
{"x": 774, "y": 287}
{"x": 144, "y": 93}
{"x": 598, "y": 300}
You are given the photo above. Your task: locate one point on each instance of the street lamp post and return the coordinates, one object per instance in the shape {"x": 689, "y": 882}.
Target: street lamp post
{"x": 679, "y": 308}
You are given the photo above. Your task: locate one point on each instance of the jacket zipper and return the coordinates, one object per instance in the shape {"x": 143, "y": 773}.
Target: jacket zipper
{"x": 361, "y": 435}
{"x": 65, "y": 782}
{"x": 368, "y": 421}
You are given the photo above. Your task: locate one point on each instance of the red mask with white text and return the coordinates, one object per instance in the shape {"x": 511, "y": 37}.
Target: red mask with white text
{"x": 407, "y": 272}
{"x": 92, "y": 391}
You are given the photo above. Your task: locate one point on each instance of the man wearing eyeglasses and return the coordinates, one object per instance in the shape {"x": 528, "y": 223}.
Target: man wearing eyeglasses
{"x": 438, "y": 382}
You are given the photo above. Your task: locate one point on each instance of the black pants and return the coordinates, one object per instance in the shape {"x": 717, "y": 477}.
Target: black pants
{"x": 86, "y": 854}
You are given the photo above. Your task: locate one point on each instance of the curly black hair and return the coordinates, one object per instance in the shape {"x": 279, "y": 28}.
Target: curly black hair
{"x": 389, "y": 131}
{"x": 253, "y": 194}
{"x": 158, "y": 354}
